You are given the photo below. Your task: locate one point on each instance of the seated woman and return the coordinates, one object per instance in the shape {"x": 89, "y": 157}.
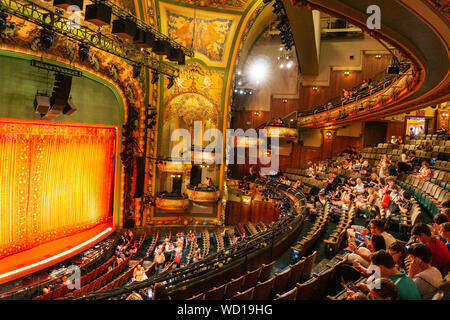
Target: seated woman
{"x": 361, "y": 256}
{"x": 363, "y": 203}
{"x": 383, "y": 167}
{"x": 298, "y": 184}
{"x": 139, "y": 273}
{"x": 424, "y": 171}
{"x": 344, "y": 201}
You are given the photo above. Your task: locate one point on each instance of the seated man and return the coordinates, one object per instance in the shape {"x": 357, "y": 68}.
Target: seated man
{"x": 427, "y": 278}
{"x": 407, "y": 289}
{"x": 359, "y": 187}
{"x": 437, "y": 221}
{"x": 332, "y": 182}
{"x": 383, "y": 289}
{"x": 377, "y": 226}
{"x": 440, "y": 257}
{"x": 393, "y": 208}
{"x": 444, "y": 230}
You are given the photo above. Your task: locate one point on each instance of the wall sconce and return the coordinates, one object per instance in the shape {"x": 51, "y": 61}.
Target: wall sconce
{"x": 246, "y": 199}
{"x": 378, "y": 56}
{"x": 314, "y": 88}
{"x": 256, "y": 113}
{"x": 285, "y": 100}
{"x": 445, "y": 114}
{"x": 328, "y": 134}
{"x": 346, "y": 73}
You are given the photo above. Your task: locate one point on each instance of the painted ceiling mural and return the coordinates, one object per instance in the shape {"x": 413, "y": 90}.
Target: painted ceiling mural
{"x": 196, "y": 95}
{"x": 210, "y": 34}
{"x": 222, "y": 4}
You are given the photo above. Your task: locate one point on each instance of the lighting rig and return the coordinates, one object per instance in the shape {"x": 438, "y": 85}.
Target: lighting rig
{"x": 287, "y": 39}
{"x": 127, "y": 40}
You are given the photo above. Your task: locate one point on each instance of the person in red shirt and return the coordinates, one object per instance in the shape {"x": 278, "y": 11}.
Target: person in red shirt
{"x": 440, "y": 254}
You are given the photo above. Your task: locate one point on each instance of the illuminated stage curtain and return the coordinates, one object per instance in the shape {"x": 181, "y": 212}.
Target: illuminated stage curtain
{"x": 55, "y": 180}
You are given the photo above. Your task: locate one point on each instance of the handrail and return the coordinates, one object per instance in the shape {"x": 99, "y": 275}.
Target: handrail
{"x": 366, "y": 93}
{"x": 240, "y": 250}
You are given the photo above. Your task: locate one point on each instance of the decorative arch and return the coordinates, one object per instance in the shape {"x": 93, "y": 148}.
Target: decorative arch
{"x": 191, "y": 106}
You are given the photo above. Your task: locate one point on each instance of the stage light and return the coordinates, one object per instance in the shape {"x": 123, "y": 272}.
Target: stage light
{"x": 136, "y": 70}
{"x": 259, "y": 69}
{"x": 46, "y": 39}
{"x": 3, "y": 22}
{"x": 171, "y": 82}
{"x": 83, "y": 51}
{"x": 155, "y": 77}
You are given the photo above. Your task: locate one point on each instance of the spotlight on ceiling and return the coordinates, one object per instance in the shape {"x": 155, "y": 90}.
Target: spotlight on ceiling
{"x": 46, "y": 39}
{"x": 155, "y": 77}
{"x": 3, "y": 22}
{"x": 136, "y": 70}
{"x": 171, "y": 82}
{"x": 83, "y": 51}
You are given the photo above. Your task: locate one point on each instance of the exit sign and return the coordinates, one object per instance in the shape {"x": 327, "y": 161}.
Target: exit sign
{"x": 420, "y": 113}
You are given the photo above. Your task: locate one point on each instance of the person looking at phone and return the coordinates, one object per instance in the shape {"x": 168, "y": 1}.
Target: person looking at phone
{"x": 427, "y": 278}
{"x": 377, "y": 226}
{"x": 407, "y": 289}
{"x": 362, "y": 255}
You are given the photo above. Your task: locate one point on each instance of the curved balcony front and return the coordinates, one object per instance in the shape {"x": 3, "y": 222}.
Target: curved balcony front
{"x": 174, "y": 167}
{"x": 202, "y": 193}
{"x": 282, "y": 132}
{"x": 172, "y": 202}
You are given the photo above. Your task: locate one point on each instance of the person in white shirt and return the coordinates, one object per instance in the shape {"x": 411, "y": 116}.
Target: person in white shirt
{"x": 427, "y": 278}
{"x": 359, "y": 187}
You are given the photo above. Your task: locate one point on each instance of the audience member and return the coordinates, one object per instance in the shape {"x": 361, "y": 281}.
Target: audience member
{"x": 440, "y": 257}
{"x": 427, "y": 278}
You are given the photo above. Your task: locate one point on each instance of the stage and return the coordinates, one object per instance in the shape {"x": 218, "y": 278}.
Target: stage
{"x": 26, "y": 262}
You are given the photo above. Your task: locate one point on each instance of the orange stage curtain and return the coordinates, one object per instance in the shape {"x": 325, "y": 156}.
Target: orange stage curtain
{"x": 55, "y": 180}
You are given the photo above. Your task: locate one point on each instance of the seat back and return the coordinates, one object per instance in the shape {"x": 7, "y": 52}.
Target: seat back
{"x": 246, "y": 295}
{"x": 280, "y": 282}
{"x": 200, "y": 296}
{"x": 290, "y": 295}
{"x": 251, "y": 278}
{"x": 263, "y": 290}
{"x": 233, "y": 287}
{"x": 296, "y": 273}
{"x": 305, "y": 290}
{"x": 309, "y": 263}
{"x": 320, "y": 286}
{"x": 217, "y": 293}
{"x": 266, "y": 270}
